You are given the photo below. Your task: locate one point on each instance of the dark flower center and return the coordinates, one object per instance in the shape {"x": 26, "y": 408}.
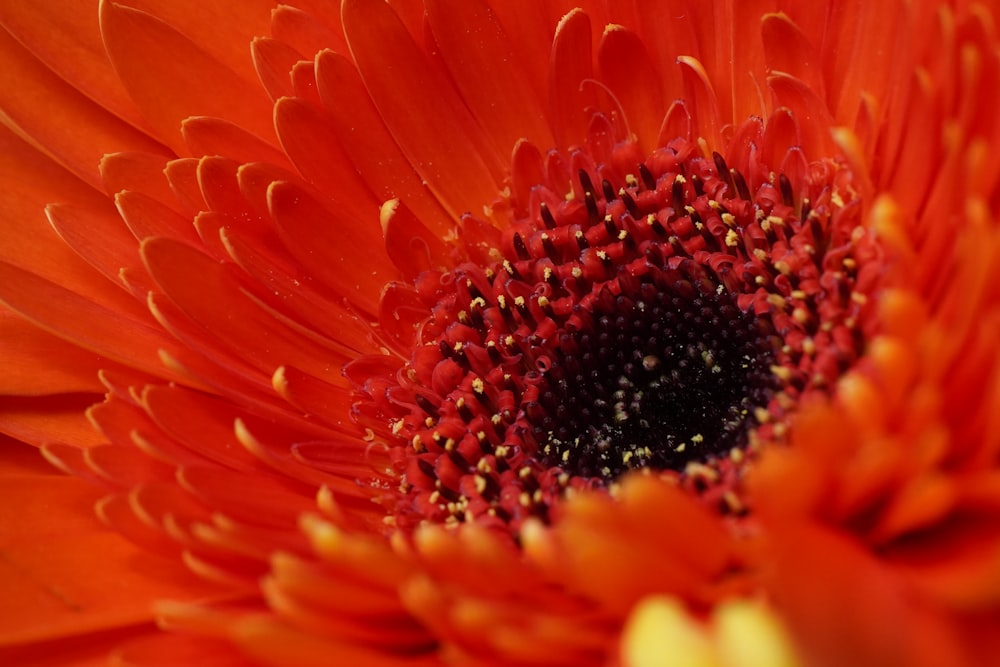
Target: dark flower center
{"x": 667, "y": 316}
{"x": 664, "y": 374}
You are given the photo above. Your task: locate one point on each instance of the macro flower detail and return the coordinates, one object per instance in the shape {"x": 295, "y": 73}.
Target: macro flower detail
{"x": 667, "y": 320}
{"x": 480, "y": 333}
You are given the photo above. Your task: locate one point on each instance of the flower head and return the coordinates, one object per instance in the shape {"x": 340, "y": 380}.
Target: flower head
{"x": 467, "y": 332}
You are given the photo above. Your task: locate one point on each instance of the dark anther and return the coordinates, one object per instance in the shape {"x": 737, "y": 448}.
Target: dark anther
{"x": 806, "y": 209}
{"x": 699, "y": 187}
{"x": 657, "y": 226}
{"x": 550, "y": 248}
{"x": 591, "y": 203}
{"x": 677, "y": 195}
{"x": 647, "y": 177}
{"x": 550, "y": 222}
{"x": 786, "y": 190}
{"x": 581, "y": 241}
{"x": 494, "y": 354}
{"x": 426, "y": 468}
{"x": 520, "y": 248}
{"x": 445, "y": 350}
{"x": 474, "y": 292}
{"x": 741, "y": 185}
{"x": 610, "y": 228}
{"x": 425, "y": 404}
{"x": 464, "y": 412}
{"x": 588, "y": 185}
{"x": 609, "y": 190}
{"x": 723, "y": 169}
{"x": 630, "y": 204}
{"x": 816, "y": 227}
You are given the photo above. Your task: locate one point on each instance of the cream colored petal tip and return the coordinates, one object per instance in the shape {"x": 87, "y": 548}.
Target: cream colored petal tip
{"x": 662, "y": 633}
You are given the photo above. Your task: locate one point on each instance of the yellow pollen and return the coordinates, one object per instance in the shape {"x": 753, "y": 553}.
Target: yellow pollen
{"x": 732, "y": 239}
{"x": 782, "y": 373}
{"x": 729, "y": 219}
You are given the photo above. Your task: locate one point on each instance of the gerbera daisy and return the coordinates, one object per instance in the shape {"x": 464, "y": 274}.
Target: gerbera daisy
{"x": 491, "y": 333}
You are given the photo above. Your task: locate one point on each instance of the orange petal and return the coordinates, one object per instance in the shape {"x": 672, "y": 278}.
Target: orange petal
{"x": 477, "y": 51}
{"x": 570, "y": 99}
{"x": 369, "y": 144}
{"x": 420, "y": 107}
{"x": 246, "y": 323}
{"x": 62, "y": 575}
{"x": 66, "y": 36}
{"x": 41, "y": 419}
{"x": 214, "y": 136}
{"x": 171, "y": 78}
{"x": 274, "y": 60}
{"x": 331, "y": 246}
{"x": 74, "y": 130}
{"x": 302, "y": 32}
{"x": 36, "y": 362}
{"x": 626, "y": 68}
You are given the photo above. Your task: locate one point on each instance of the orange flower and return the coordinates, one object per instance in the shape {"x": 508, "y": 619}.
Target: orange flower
{"x": 477, "y": 333}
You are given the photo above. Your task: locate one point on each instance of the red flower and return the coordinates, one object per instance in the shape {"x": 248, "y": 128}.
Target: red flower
{"x": 469, "y": 332}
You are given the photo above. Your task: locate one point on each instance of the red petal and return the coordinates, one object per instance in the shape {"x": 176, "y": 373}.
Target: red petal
{"x": 788, "y": 50}
{"x": 309, "y": 141}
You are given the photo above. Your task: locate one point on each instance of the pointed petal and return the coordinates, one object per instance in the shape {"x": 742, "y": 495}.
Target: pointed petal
{"x": 369, "y": 144}
{"x": 477, "y": 51}
{"x": 62, "y": 574}
{"x": 273, "y": 61}
{"x": 626, "y": 68}
{"x": 37, "y": 363}
{"x": 420, "y": 108}
{"x": 171, "y": 78}
{"x": 333, "y": 248}
{"x": 73, "y": 130}
{"x": 214, "y": 136}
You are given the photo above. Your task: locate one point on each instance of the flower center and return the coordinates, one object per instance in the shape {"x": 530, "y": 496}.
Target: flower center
{"x": 668, "y": 318}
{"x": 662, "y": 374}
